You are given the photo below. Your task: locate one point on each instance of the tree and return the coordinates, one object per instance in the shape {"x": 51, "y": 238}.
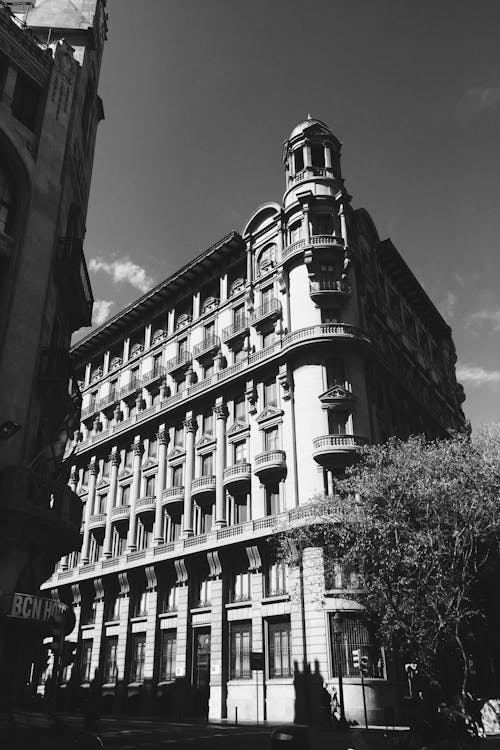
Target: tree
{"x": 420, "y": 522}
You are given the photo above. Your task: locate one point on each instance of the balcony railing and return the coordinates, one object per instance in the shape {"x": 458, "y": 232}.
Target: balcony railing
{"x": 330, "y": 285}
{"x": 315, "y": 240}
{"x": 182, "y": 360}
{"x": 208, "y": 345}
{"x": 107, "y": 400}
{"x": 270, "y": 309}
{"x": 203, "y": 485}
{"x": 145, "y": 504}
{"x": 73, "y": 277}
{"x": 157, "y": 373}
{"x": 239, "y": 328}
{"x": 97, "y": 521}
{"x": 133, "y": 385}
{"x": 120, "y": 513}
{"x": 237, "y": 474}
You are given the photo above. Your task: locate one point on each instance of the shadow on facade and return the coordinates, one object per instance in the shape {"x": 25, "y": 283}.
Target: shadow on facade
{"x": 312, "y": 699}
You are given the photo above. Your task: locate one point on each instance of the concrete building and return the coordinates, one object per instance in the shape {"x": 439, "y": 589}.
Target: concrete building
{"x": 50, "y": 55}
{"x": 214, "y": 408}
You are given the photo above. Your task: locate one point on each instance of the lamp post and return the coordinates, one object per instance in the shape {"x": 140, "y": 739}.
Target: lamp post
{"x": 338, "y": 632}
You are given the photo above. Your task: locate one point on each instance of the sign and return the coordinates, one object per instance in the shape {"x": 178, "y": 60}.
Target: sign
{"x": 257, "y": 660}
{"x": 36, "y": 608}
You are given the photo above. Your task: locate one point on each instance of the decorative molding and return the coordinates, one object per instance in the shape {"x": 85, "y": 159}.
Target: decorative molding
{"x": 190, "y": 424}
{"x": 124, "y": 583}
{"x": 285, "y": 379}
{"x": 220, "y": 411}
{"x": 99, "y": 589}
{"x": 125, "y": 472}
{"x": 152, "y": 581}
{"x": 93, "y": 468}
{"x": 237, "y": 427}
{"x": 103, "y": 482}
{"x": 138, "y": 447}
{"x": 115, "y": 458}
{"x": 176, "y": 453}
{"x": 76, "y": 594}
{"x": 181, "y": 571}
{"x": 54, "y": 593}
{"x": 251, "y": 396}
{"x": 149, "y": 463}
{"x": 206, "y": 441}
{"x": 163, "y": 437}
{"x": 254, "y": 560}
{"x": 337, "y": 397}
{"x": 214, "y": 564}
{"x": 270, "y": 412}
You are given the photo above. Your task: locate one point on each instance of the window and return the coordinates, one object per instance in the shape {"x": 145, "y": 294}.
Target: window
{"x": 241, "y": 649}
{"x": 318, "y": 157}
{"x": 181, "y": 347}
{"x": 106, "y": 467}
{"x": 207, "y": 465}
{"x": 140, "y": 608}
{"x": 179, "y": 436}
{"x": 95, "y": 548}
{"x": 119, "y": 544}
{"x": 240, "y": 452}
{"x": 273, "y": 504}
{"x": 240, "y": 407}
{"x": 354, "y": 635}
{"x": 6, "y": 201}
{"x": 203, "y": 593}
{"x": 168, "y": 594}
{"x": 241, "y": 583}
{"x": 239, "y": 355}
{"x": 138, "y": 657}
{"x": 85, "y": 475}
{"x": 112, "y": 612}
{"x": 323, "y": 224}
{"x": 330, "y": 316}
{"x": 266, "y": 297}
{"x": 337, "y": 421}
{"x": 239, "y": 317}
{"x": 271, "y": 439}
{"x": 295, "y": 231}
{"x": 25, "y": 102}
{"x": 100, "y": 503}
{"x": 110, "y": 659}
{"x": 150, "y": 486}
{"x": 206, "y": 519}
{"x": 129, "y": 457}
{"x": 209, "y": 332}
{"x": 240, "y": 514}
{"x": 177, "y": 476}
{"x": 124, "y": 495}
{"x": 86, "y": 660}
{"x": 276, "y": 579}
{"x": 153, "y": 447}
{"x": 298, "y": 160}
{"x": 280, "y": 657}
{"x": 207, "y": 425}
{"x": 157, "y": 363}
{"x": 335, "y": 372}
{"x": 168, "y": 651}
{"x": 270, "y": 393}
{"x": 134, "y": 376}
{"x": 268, "y": 338}
{"x": 208, "y": 370}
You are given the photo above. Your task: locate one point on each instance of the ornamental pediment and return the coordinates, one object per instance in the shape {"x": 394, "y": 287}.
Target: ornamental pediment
{"x": 270, "y": 412}
{"x": 176, "y": 452}
{"x": 125, "y": 472}
{"x": 149, "y": 463}
{"x": 205, "y": 441}
{"x": 238, "y": 426}
{"x": 336, "y": 395}
{"x": 102, "y": 483}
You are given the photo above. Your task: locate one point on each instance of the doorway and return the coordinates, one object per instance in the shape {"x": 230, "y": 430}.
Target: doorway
{"x": 201, "y": 670}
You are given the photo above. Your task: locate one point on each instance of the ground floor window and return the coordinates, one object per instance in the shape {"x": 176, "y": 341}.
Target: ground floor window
{"x": 280, "y": 652}
{"x": 276, "y": 579}
{"x": 241, "y": 648}
{"x": 354, "y": 643}
{"x": 86, "y": 661}
{"x": 138, "y": 656}
{"x": 168, "y": 651}
{"x": 110, "y": 659}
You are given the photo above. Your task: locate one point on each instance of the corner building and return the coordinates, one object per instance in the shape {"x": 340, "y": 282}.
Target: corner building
{"x": 50, "y": 57}
{"x": 215, "y": 407}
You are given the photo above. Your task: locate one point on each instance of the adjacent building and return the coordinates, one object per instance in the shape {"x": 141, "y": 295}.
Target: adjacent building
{"x": 50, "y": 56}
{"x": 214, "y": 408}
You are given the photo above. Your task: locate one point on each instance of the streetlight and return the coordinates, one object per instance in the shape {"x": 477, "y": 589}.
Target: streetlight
{"x": 338, "y": 632}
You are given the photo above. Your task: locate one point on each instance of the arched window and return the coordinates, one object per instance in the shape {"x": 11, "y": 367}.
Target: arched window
{"x": 7, "y": 200}
{"x": 266, "y": 259}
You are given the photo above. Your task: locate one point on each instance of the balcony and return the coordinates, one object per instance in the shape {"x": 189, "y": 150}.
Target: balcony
{"x": 173, "y": 499}
{"x": 270, "y": 465}
{"x": 97, "y": 521}
{"x": 179, "y": 364}
{"x": 73, "y": 280}
{"x": 146, "y": 506}
{"x": 120, "y": 515}
{"x": 154, "y": 375}
{"x": 133, "y": 385}
{"x": 316, "y": 241}
{"x": 237, "y": 477}
{"x": 207, "y": 347}
{"x": 328, "y": 291}
{"x": 336, "y": 450}
{"x": 106, "y": 401}
{"x": 238, "y": 330}
{"x": 268, "y": 312}
{"x": 91, "y": 409}
{"x": 203, "y": 487}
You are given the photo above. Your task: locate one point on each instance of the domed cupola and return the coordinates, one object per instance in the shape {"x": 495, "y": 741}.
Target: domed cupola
{"x": 311, "y": 152}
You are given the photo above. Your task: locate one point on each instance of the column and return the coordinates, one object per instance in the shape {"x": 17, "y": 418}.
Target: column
{"x": 149, "y": 657}
{"x": 223, "y": 288}
{"x": 343, "y": 225}
{"x": 89, "y": 506}
{"x": 307, "y": 155}
{"x": 126, "y": 349}
{"x": 196, "y": 305}
{"x": 121, "y": 651}
{"x": 190, "y": 428}
{"x": 181, "y": 659}
{"x": 220, "y": 412}
{"x": 328, "y": 156}
{"x": 160, "y": 484}
{"x": 105, "y": 367}
{"x": 86, "y": 381}
{"x": 98, "y": 626}
{"x": 147, "y": 337}
{"x": 250, "y": 261}
{"x": 134, "y": 492}
{"x": 217, "y": 700}
{"x": 307, "y": 227}
{"x": 113, "y": 487}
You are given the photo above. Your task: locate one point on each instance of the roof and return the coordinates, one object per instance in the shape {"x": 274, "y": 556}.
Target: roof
{"x": 305, "y": 124}
{"x": 390, "y": 259}
{"x": 151, "y": 302}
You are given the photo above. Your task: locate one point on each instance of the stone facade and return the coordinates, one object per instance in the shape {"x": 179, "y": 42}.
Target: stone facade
{"x": 49, "y": 111}
{"x": 215, "y": 407}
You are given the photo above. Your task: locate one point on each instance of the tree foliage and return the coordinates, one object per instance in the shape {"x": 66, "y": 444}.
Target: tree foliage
{"x": 420, "y": 522}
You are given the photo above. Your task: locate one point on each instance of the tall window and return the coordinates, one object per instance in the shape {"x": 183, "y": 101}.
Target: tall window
{"x": 330, "y": 316}
{"x": 266, "y": 297}
{"x": 240, "y": 407}
{"x": 207, "y": 465}
{"x": 140, "y": 608}
{"x": 86, "y": 660}
{"x": 273, "y": 504}
{"x": 168, "y": 652}
{"x": 335, "y": 372}
{"x": 337, "y": 423}
{"x": 209, "y": 332}
{"x": 112, "y": 612}
{"x": 240, "y": 514}
{"x": 239, "y": 316}
{"x": 295, "y": 229}
{"x": 168, "y": 594}
{"x": 208, "y": 370}
{"x": 177, "y": 476}
{"x": 153, "y": 446}
{"x": 106, "y": 466}
{"x": 241, "y": 582}
{"x": 157, "y": 363}
{"x": 298, "y": 160}
{"x": 268, "y": 338}
{"x": 110, "y": 659}
{"x": 240, "y": 452}
{"x": 150, "y": 486}
{"x": 270, "y": 393}
{"x": 280, "y": 657}
{"x": 179, "y": 436}
{"x": 182, "y": 347}
{"x": 354, "y": 636}
{"x": 26, "y": 101}
{"x": 124, "y": 494}
{"x": 6, "y": 201}
{"x": 208, "y": 422}
{"x": 271, "y": 439}
{"x": 206, "y": 518}
{"x": 318, "y": 156}
{"x": 241, "y": 649}
{"x": 138, "y": 657}
{"x": 276, "y": 578}
{"x": 129, "y": 457}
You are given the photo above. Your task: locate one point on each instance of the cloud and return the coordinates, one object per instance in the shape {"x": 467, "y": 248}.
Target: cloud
{"x": 477, "y": 376}
{"x": 448, "y": 305}
{"x": 479, "y": 99}
{"x": 484, "y": 317}
{"x": 102, "y": 308}
{"x": 123, "y": 270}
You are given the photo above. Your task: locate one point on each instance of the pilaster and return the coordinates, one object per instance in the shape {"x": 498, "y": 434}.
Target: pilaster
{"x": 113, "y": 486}
{"x": 220, "y": 412}
{"x": 217, "y": 700}
{"x": 190, "y": 430}
{"x": 160, "y": 483}
{"x": 93, "y": 471}
{"x": 149, "y": 663}
{"x": 134, "y": 492}
{"x": 98, "y": 628}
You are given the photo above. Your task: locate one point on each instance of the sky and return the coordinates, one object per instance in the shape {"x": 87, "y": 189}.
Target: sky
{"x": 199, "y": 96}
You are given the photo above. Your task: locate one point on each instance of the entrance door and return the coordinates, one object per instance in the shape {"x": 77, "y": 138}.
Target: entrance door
{"x": 201, "y": 670}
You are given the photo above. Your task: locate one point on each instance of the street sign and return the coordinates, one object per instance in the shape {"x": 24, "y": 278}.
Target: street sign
{"x": 58, "y": 616}
{"x": 257, "y": 660}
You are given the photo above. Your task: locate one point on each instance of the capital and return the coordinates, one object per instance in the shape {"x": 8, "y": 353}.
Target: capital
{"x": 162, "y": 437}
{"x": 115, "y": 458}
{"x": 93, "y": 468}
{"x": 220, "y": 411}
{"x": 190, "y": 425}
{"x": 138, "y": 448}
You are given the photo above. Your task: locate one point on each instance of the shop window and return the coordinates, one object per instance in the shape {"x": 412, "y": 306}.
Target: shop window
{"x": 110, "y": 659}
{"x": 86, "y": 660}
{"x": 168, "y": 653}
{"x": 280, "y": 656}
{"x": 355, "y": 636}
{"x": 241, "y": 649}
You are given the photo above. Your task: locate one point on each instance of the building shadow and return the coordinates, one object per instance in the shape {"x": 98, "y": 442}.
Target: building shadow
{"x": 313, "y": 702}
